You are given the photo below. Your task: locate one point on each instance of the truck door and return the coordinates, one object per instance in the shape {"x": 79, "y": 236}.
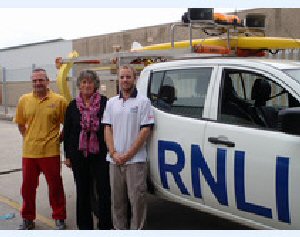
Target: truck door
{"x": 253, "y": 166}
{"x": 179, "y": 98}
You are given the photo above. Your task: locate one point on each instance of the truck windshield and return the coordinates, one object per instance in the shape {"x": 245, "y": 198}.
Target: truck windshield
{"x": 294, "y": 73}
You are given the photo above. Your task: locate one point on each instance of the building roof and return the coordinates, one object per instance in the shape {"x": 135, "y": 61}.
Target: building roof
{"x": 32, "y": 44}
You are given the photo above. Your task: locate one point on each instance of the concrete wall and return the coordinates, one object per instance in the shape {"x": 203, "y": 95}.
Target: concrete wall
{"x": 280, "y": 22}
{"x": 96, "y": 45}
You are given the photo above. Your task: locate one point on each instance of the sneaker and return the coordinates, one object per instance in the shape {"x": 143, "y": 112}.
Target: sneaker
{"x": 60, "y": 224}
{"x": 27, "y": 225}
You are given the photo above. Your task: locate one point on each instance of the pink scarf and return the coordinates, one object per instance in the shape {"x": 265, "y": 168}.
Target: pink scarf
{"x": 89, "y": 123}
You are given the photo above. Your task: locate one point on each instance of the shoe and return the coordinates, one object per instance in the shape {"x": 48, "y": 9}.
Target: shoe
{"x": 27, "y": 225}
{"x": 60, "y": 224}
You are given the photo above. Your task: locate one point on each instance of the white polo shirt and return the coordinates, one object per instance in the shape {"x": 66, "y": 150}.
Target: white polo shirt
{"x": 127, "y": 118}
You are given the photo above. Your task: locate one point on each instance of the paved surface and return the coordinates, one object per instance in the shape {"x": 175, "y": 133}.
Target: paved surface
{"x": 7, "y": 113}
{"x": 162, "y": 215}
{"x": 10, "y": 183}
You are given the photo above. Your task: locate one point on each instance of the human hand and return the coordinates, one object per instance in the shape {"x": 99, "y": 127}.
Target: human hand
{"x": 117, "y": 158}
{"x": 124, "y": 158}
{"x": 68, "y": 162}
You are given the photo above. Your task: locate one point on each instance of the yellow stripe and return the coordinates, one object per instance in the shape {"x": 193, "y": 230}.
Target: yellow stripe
{"x": 17, "y": 206}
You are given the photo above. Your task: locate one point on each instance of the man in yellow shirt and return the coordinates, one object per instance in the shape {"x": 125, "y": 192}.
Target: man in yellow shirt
{"x": 39, "y": 115}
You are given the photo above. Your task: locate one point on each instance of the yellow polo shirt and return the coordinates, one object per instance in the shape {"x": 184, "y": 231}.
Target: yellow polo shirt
{"x": 42, "y": 119}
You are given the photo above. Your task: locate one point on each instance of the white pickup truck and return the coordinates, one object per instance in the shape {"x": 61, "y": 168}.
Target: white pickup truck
{"x": 226, "y": 137}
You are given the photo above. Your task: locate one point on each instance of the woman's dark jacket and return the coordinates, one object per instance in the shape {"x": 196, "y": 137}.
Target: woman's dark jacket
{"x": 72, "y": 130}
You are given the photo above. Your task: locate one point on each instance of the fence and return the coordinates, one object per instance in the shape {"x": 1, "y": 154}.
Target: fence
{"x": 16, "y": 82}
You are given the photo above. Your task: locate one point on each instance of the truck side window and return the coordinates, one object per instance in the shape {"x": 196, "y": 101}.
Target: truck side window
{"x": 155, "y": 84}
{"x": 181, "y": 91}
{"x": 253, "y": 100}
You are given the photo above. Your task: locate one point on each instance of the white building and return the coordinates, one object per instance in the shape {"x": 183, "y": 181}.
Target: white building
{"x": 20, "y": 60}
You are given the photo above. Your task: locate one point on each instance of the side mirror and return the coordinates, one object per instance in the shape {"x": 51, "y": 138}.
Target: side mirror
{"x": 289, "y": 120}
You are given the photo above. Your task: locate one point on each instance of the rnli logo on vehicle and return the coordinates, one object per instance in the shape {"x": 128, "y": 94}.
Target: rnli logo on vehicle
{"x": 218, "y": 182}
{"x": 134, "y": 109}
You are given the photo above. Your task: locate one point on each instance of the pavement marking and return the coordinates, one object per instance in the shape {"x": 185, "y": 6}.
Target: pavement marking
{"x": 17, "y": 206}
{"x": 10, "y": 171}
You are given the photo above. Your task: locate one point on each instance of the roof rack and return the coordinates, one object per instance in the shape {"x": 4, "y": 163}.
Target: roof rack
{"x": 218, "y": 24}
{"x": 195, "y": 18}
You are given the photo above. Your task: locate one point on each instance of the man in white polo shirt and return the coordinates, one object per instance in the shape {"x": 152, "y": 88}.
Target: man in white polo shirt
{"x": 129, "y": 119}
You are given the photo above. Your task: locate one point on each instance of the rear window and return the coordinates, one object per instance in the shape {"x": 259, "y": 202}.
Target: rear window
{"x": 180, "y": 91}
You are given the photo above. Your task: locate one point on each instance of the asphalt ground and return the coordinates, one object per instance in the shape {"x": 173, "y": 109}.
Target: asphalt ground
{"x": 10, "y": 183}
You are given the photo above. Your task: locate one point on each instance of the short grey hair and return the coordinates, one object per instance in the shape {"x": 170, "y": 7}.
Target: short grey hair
{"x": 89, "y": 74}
{"x": 40, "y": 70}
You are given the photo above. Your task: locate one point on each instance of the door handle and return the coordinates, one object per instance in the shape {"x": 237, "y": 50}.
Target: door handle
{"x": 218, "y": 141}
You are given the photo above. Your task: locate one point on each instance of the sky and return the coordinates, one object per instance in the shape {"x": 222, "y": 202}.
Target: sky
{"x": 31, "y": 21}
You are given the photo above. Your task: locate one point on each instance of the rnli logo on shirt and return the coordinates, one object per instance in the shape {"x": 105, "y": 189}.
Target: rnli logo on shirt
{"x": 52, "y": 106}
{"x": 134, "y": 109}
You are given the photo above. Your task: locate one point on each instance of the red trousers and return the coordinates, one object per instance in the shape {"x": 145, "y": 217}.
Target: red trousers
{"x": 50, "y": 166}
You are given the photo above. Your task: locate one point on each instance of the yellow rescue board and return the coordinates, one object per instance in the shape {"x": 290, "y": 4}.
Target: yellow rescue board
{"x": 61, "y": 80}
{"x": 242, "y": 42}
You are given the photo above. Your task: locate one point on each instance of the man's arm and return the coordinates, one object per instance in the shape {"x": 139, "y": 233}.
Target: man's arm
{"x": 20, "y": 118}
{"x": 108, "y": 135}
{"x": 109, "y": 139}
{"x": 138, "y": 143}
{"x": 22, "y": 129}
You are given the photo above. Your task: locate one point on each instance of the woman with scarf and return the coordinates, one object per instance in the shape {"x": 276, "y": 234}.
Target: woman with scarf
{"x": 85, "y": 152}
